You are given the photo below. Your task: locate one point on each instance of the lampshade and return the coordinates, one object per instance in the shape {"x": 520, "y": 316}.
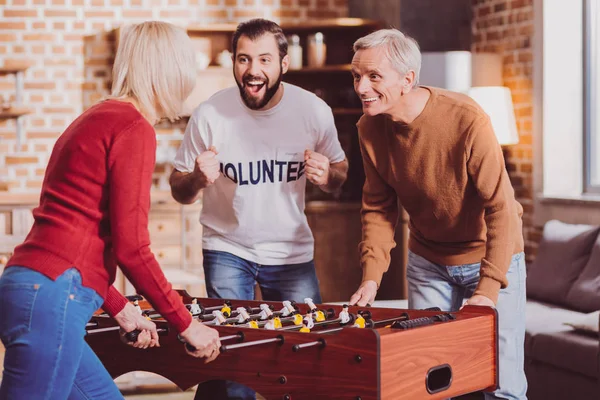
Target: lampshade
{"x": 496, "y": 101}
{"x": 460, "y": 70}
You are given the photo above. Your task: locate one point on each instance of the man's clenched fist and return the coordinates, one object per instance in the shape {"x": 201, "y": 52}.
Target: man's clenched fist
{"x": 317, "y": 167}
{"x": 207, "y": 166}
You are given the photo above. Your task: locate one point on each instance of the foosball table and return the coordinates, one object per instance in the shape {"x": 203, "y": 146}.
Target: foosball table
{"x": 290, "y": 351}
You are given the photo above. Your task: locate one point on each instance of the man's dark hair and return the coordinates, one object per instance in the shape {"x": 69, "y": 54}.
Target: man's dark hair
{"x": 254, "y": 29}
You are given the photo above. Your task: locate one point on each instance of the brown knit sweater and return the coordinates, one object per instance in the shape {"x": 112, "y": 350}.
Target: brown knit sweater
{"x": 447, "y": 170}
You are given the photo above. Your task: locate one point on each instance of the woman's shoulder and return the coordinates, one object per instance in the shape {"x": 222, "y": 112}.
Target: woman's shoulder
{"x": 114, "y": 116}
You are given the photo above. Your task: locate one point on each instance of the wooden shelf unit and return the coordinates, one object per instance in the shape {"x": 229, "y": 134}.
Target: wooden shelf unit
{"x": 323, "y": 69}
{"x": 14, "y": 112}
{"x": 17, "y": 111}
{"x": 13, "y": 68}
{"x": 340, "y": 34}
{"x": 314, "y": 25}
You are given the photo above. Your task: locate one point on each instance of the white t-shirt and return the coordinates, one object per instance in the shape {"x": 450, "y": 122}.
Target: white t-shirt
{"x": 255, "y": 209}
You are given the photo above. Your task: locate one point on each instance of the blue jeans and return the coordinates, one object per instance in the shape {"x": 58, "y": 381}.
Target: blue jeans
{"x": 447, "y": 287}
{"x": 42, "y": 328}
{"x": 231, "y": 277}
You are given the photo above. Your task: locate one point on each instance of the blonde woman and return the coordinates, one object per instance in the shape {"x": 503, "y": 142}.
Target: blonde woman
{"x": 93, "y": 215}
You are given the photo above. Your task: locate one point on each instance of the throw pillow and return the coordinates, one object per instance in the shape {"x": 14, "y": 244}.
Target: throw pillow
{"x": 584, "y": 294}
{"x": 561, "y": 256}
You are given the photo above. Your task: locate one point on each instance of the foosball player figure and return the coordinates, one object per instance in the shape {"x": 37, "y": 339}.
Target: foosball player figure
{"x": 195, "y": 308}
{"x": 359, "y": 322}
{"x": 226, "y": 309}
{"x": 244, "y": 318}
{"x": 318, "y": 315}
{"x": 219, "y": 318}
{"x": 307, "y": 323}
{"x": 344, "y": 315}
{"x": 288, "y": 309}
{"x": 265, "y": 312}
{"x": 273, "y": 323}
{"x": 298, "y": 319}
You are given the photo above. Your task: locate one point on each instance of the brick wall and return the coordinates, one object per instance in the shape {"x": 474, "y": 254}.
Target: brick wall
{"x": 506, "y": 27}
{"x": 70, "y": 46}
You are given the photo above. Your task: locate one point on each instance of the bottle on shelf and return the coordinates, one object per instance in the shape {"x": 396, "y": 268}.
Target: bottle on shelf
{"x": 295, "y": 52}
{"x": 317, "y": 50}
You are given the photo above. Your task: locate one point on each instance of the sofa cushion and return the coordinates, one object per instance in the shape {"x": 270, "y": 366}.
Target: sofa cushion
{"x": 561, "y": 257}
{"x": 570, "y": 350}
{"x": 584, "y": 294}
{"x": 549, "y": 318}
{"x": 546, "y": 318}
{"x": 550, "y": 339}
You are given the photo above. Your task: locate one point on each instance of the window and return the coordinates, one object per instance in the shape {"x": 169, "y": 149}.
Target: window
{"x": 592, "y": 97}
{"x": 566, "y": 111}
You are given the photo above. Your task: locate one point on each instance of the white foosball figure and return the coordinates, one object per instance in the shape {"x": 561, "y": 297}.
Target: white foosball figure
{"x": 195, "y": 308}
{"x": 308, "y": 321}
{"x": 265, "y": 312}
{"x": 243, "y": 316}
{"x": 270, "y": 324}
{"x": 308, "y": 301}
{"x": 219, "y": 317}
{"x": 288, "y": 308}
{"x": 344, "y": 315}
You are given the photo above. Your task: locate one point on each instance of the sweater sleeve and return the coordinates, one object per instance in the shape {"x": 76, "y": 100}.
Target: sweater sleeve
{"x": 379, "y": 216}
{"x": 485, "y": 165}
{"x": 131, "y": 164}
{"x": 114, "y": 302}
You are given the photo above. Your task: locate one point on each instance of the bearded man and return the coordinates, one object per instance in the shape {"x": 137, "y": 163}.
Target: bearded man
{"x": 251, "y": 149}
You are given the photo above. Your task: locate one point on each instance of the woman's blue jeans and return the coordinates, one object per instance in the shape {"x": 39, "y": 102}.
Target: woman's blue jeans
{"x": 42, "y": 327}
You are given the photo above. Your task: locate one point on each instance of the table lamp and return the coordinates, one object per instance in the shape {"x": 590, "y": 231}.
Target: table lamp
{"x": 496, "y": 101}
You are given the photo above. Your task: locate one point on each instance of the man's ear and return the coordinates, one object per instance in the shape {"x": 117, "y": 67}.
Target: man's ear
{"x": 285, "y": 63}
{"x": 408, "y": 81}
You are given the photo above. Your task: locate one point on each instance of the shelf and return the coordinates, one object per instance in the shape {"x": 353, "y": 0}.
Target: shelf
{"x": 17, "y": 199}
{"x": 14, "y": 68}
{"x": 325, "y": 24}
{"x": 326, "y": 68}
{"x": 212, "y": 28}
{"x": 332, "y": 23}
{"x": 17, "y": 68}
{"x": 14, "y": 112}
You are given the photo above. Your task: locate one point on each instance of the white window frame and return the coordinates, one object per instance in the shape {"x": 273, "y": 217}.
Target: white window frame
{"x": 559, "y": 115}
{"x": 592, "y": 134}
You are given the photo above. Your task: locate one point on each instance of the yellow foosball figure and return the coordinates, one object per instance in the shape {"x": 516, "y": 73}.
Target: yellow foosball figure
{"x": 359, "y": 322}
{"x": 226, "y": 310}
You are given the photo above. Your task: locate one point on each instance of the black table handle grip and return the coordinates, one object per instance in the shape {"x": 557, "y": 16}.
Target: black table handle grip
{"x": 133, "y": 335}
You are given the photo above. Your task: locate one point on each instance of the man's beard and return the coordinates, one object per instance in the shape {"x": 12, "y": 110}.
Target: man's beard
{"x": 254, "y": 103}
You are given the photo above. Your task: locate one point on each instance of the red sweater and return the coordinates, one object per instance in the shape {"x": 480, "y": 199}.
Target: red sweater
{"x": 93, "y": 211}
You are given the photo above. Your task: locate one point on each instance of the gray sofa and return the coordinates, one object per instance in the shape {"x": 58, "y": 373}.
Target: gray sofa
{"x": 562, "y": 343}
